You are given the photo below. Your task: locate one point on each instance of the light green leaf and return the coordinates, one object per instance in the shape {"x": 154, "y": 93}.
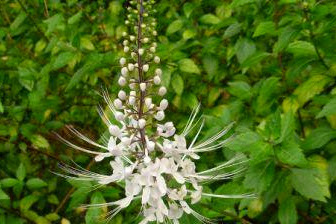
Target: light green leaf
{"x": 3, "y": 195}
{"x": 291, "y": 154}
{"x": 86, "y": 43}
{"x": 285, "y": 37}
{"x": 28, "y": 201}
{"x": 188, "y": 34}
{"x": 187, "y": 65}
{"x": 39, "y": 141}
{"x": 243, "y": 141}
{"x": 1, "y": 107}
{"x": 177, "y": 84}
{"x": 62, "y": 59}
{"x": 8, "y": 182}
{"x": 236, "y": 3}
{"x": 244, "y": 48}
{"x": 318, "y": 138}
{"x": 174, "y": 27}
{"x": 18, "y": 21}
{"x": 301, "y": 48}
{"x": 263, "y": 28}
{"x": 328, "y": 109}
{"x": 75, "y": 18}
{"x": 240, "y": 89}
{"x": 36, "y": 183}
{"x": 259, "y": 177}
{"x": 21, "y": 172}
{"x": 267, "y": 94}
{"x": 287, "y": 211}
{"x": 287, "y": 126}
{"x": 210, "y": 19}
{"x": 188, "y": 8}
{"x": 95, "y": 215}
{"x": 254, "y": 59}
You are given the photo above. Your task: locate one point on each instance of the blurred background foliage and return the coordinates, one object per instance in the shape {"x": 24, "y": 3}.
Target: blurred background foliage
{"x": 267, "y": 65}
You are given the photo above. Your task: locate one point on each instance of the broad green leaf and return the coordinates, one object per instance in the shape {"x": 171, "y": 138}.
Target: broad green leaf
{"x": 210, "y": 19}
{"x": 188, "y": 34}
{"x": 26, "y": 78}
{"x": 285, "y": 37}
{"x": 240, "y": 89}
{"x": 287, "y": 126}
{"x": 244, "y": 48}
{"x": 267, "y": 94}
{"x": 174, "y": 27}
{"x": 177, "y": 84}
{"x": 35, "y": 183}
{"x": 39, "y": 141}
{"x": 328, "y": 109}
{"x": 243, "y": 141}
{"x": 211, "y": 64}
{"x": 75, "y": 18}
{"x": 28, "y": 201}
{"x": 318, "y": 138}
{"x": 290, "y": 153}
{"x": 86, "y": 43}
{"x": 188, "y": 8}
{"x": 95, "y": 215}
{"x": 259, "y": 177}
{"x": 263, "y": 28}
{"x": 62, "y": 59}
{"x": 254, "y": 59}
{"x": 232, "y": 30}
{"x": 187, "y": 65}
{"x": 301, "y": 48}
{"x": 21, "y": 172}
{"x": 3, "y": 195}
{"x": 18, "y": 21}
{"x": 287, "y": 211}
{"x": 332, "y": 168}
{"x": 236, "y": 3}
{"x": 54, "y": 22}
{"x": 8, "y": 182}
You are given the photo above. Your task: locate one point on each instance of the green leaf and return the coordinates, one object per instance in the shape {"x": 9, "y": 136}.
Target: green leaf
{"x": 263, "y": 28}
{"x": 254, "y": 59}
{"x": 240, "y": 89}
{"x": 1, "y": 107}
{"x": 62, "y": 60}
{"x": 243, "y": 141}
{"x": 95, "y": 215}
{"x": 39, "y": 141}
{"x": 287, "y": 211}
{"x": 244, "y": 48}
{"x": 232, "y": 30}
{"x": 236, "y": 3}
{"x": 187, "y": 65}
{"x": 285, "y": 37}
{"x": 26, "y": 78}
{"x": 177, "y": 84}
{"x": 174, "y": 27}
{"x": 301, "y": 48}
{"x": 18, "y": 21}
{"x": 36, "y": 183}
{"x": 318, "y": 138}
{"x": 54, "y": 22}
{"x": 211, "y": 64}
{"x": 28, "y": 201}
{"x": 8, "y": 182}
{"x": 291, "y": 154}
{"x": 86, "y": 43}
{"x": 328, "y": 109}
{"x": 287, "y": 126}
{"x": 259, "y": 177}
{"x": 267, "y": 95}
{"x": 188, "y": 8}
{"x": 75, "y": 18}
{"x": 210, "y": 19}
{"x": 21, "y": 172}
{"x": 3, "y": 195}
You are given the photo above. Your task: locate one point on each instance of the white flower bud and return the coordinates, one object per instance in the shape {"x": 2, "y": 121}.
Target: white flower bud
{"x": 119, "y": 116}
{"x": 132, "y": 38}
{"x": 154, "y": 33}
{"x": 158, "y": 72}
{"x": 126, "y": 49}
{"x": 143, "y": 25}
{"x": 145, "y": 14}
{"x": 141, "y": 51}
{"x": 143, "y": 86}
{"x": 154, "y": 44}
{"x": 133, "y": 54}
{"x": 122, "y": 95}
{"x": 147, "y": 160}
{"x": 159, "y": 115}
{"x": 148, "y": 102}
{"x": 127, "y": 22}
{"x": 126, "y": 141}
{"x": 131, "y": 100}
{"x": 136, "y": 65}
{"x": 145, "y": 68}
{"x": 142, "y": 123}
{"x": 152, "y": 49}
{"x": 122, "y": 61}
{"x": 163, "y": 104}
{"x": 114, "y": 130}
{"x": 118, "y": 104}
{"x": 153, "y": 23}
{"x": 132, "y": 85}
{"x": 157, "y": 80}
{"x": 122, "y": 81}
{"x": 124, "y": 71}
{"x": 162, "y": 91}
{"x": 157, "y": 59}
{"x": 125, "y": 42}
{"x": 124, "y": 34}
{"x": 130, "y": 67}
{"x": 133, "y": 93}
{"x": 145, "y": 40}
{"x": 150, "y": 146}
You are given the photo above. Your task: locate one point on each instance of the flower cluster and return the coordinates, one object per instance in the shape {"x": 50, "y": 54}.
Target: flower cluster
{"x": 155, "y": 163}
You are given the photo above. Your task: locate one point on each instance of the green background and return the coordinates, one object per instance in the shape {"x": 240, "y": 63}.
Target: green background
{"x": 267, "y": 65}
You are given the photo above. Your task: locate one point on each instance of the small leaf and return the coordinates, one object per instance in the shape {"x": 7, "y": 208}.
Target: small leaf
{"x": 244, "y": 48}
{"x": 236, "y": 3}
{"x": 36, "y": 183}
{"x": 232, "y": 30}
{"x": 291, "y": 154}
{"x": 62, "y": 60}
{"x": 75, "y": 18}
{"x": 318, "y": 138}
{"x": 263, "y": 28}
{"x": 287, "y": 211}
{"x": 188, "y": 8}
{"x": 8, "y": 182}
{"x": 1, "y": 107}
{"x": 174, "y": 27}
{"x": 3, "y": 195}
{"x": 177, "y": 84}
{"x": 187, "y": 65}
{"x": 254, "y": 59}
{"x": 86, "y": 43}
{"x": 210, "y": 19}
{"x": 95, "y": 215}
{"x": 301, "y": 48}
{"x": 39, "y": 141}
{"x": 28, "y": 201}
{"x": 285, "y": 37}
{"x": 21, "y": 172}
{"x": 328, "y": 109}
{"x": 240, "y": 89}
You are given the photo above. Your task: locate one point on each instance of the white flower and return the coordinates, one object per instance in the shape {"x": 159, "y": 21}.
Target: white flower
{"x": 157, "y": 59}
{"x": 152, "y": 49}
{"x": 141, "y": 51}
{"x": 122, "y": 61}
{"x": 124, "y": 71}
{"x": 122, "y": 95}
{"x": 122, "y": 81}
{"x": 157, "y": 80}
{"x": 145, "y": 68}
{"x": 163, "y": 104}
{"x": 162, "y": 91}
{"x": 130, "y": 67}
{"x": 159, "y": 115}
{"x": 143, "y": 86}
{"x": 126, "y": 49}
{"x": 158, "y": 72}
{"x": 118, "y": 104}
{"x": 142, "y": 123}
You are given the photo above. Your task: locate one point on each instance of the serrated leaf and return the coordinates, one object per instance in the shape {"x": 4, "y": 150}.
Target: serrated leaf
{"x": 287, "y": 126}
{"x": 35, "y": 183}
{"x": 210, "y": 19}
{"x": 174, "y": 27}
{"x": 240, "y": 89}
{"x": 318, "y": 138}
{"x": 267, "y": 95}
{"x": 328, "y": 109}
{"x": 290, "y": 153}
{"x": 187, "y": 65}
{"x": 21, "y": 172}
{"x": 260, "y": 176}
{"x": 177, "y": 84}
{"x": 287, "y": 211}
{"x": 263, "y": 28}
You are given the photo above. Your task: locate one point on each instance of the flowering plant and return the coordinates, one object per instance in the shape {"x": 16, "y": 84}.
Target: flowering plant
{"x": 146, "y": 154}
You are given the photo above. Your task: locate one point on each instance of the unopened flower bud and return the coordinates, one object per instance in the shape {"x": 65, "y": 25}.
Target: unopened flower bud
{"x": 119, "y": 116}
{"x": 126, "y": 141}
{"x": 132, "y": 85}
{"x": 142, "y": 123}
{"x": 143, "y": 25}
{"x": 122, "y": 81}
{"x": 159, "y": 115}
{"x": 122, "y": 95}
{"x": 157, "y": 80}
{"x": 132, "y": 38}
{"x": 154, "y": 44}
{"x": 157, "y": 59}
{"x": 131, "y": 100}
{"x": 158, "y": 72}
{"x": 143, "y": 86}
{"x": 152, "y": 49}
{"x": 122, "y": 61}
{"x": 148, "y": 102}
{"x": 150, "y": 146}
{"x": 118, "y": 104}
{"x": 145, "y": 68}
{"x": 154, "y": 33}
{"x": 141, "y": 51}
{"x": 130, "y": 67}
{"x": 132, "y": 93}
{"x": 114, "y": 130}
{"x": 133, "y": 54}
{"x": 125, "y": 42}
{"x": 147, "y": 159}
{"x": 124, "y": 71}
{"x": 127, "y": 22}
{"x": 126, "y": 49}
{"x": 145, "y": 40}
{"x": 162, "y": 91}
{"x": 124, "y": 34}
{"x": 163, "y": 104}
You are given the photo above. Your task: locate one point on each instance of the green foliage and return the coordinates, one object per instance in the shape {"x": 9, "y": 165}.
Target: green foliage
{"x": 267, "y": 65}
